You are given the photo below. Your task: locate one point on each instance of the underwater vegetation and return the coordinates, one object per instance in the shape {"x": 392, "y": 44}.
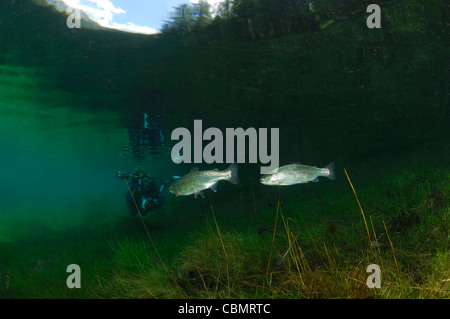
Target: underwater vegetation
{"x": 402, "y": 225}
{"x": 319, "y": 247}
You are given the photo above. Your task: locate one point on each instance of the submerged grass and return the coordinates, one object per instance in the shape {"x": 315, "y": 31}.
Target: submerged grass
{"x": 319, "y": 247}
{"x": 407, "y": 235}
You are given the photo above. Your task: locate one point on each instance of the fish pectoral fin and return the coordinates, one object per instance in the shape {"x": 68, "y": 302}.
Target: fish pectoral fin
{"x": 199, "y": 193}
{"x": 214, "y": 187}
{"x": 315, "y": 180}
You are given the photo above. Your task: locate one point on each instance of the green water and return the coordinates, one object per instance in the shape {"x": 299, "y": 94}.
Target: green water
{"x": 374, "y": 101}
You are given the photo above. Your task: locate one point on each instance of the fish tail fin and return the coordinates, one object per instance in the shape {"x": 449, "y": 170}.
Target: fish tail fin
{"x": 234, "y": 178}
{"x": 332, "y": 172}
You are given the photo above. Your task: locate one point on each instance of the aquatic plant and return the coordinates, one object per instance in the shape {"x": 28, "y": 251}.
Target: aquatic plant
{"x": 295, "y": 260}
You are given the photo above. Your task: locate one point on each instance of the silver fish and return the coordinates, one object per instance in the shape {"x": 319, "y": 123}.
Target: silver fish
{"x": 196, "y": 181}
{"x": 297, "y": 173}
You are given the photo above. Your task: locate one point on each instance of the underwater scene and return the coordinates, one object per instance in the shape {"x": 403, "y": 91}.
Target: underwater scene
{"x": 246, "y": 149}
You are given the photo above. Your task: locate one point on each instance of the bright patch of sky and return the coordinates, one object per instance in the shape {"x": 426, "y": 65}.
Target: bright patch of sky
{"x": 139, "y": 16}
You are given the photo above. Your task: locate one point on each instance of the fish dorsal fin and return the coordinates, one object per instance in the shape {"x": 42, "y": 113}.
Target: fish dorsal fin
{"x": 194, "y": 169}
{"x": 216, "y": 169}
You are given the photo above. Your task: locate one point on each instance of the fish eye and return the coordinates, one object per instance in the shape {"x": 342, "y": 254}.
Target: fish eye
{"x": 265, "y": 179}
